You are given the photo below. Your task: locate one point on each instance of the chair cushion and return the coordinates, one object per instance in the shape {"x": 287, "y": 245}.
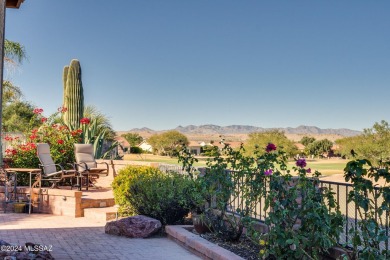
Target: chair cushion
{"x": 84, "y": 154}
{"x": 43, "y": 152}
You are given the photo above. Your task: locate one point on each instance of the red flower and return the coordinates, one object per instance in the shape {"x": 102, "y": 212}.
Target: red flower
{"x": 43, "y": 119}
{"x": 60, "y": 141}
{"x": 270, "y": 147}
{"x": 85, "y": 121}
{"x": 10, "y": 151}
{"x": 38, "y": 111}
{"x": 33, "y": 136}
{"x": 8, "y": 138}
{"x": 62, "y": 151}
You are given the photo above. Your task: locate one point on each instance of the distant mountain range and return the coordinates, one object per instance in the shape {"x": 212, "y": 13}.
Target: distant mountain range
{"x": 246, "y": 129}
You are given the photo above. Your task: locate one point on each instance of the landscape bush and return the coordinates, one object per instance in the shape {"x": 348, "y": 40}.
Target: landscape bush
{"x": 236, "y": 182}
{"x": 135, "y": 150}
{"x": 370, "y": 231}
{"x": 304, "y": 220}
{"x": 143, "y": 190}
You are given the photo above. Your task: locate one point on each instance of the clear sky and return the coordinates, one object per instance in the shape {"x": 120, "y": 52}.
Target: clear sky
{"x": 160, "y": 64}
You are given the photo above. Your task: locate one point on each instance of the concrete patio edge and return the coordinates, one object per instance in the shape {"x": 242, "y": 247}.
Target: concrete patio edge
{"x": 195, "y": 243}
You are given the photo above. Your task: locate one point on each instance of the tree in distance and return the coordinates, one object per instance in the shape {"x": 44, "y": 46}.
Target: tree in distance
{"x": 306, "y": 140}
{"x": 319, "y": 147}
{"x": 373, "y": 144}
{"x": 134, "y": 139}
{"x": 277, "y": 137}
{"x": 167, "y": 143}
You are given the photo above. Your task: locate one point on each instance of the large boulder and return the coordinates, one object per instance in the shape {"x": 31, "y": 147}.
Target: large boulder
{"x": 134, "y": 227}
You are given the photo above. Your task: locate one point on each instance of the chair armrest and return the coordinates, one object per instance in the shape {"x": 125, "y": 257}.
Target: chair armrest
{"x": 82, "y": 164}
{"x": 106, "y": 166}
{"x": 72, "y": 165}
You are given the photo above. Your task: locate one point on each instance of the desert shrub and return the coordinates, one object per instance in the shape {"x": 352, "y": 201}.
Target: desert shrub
{"x": 135, "y": 150}
{"x": 148, "y": 191}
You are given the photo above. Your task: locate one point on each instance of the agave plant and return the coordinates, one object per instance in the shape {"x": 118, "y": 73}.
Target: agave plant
{"x": 93, "y": 134}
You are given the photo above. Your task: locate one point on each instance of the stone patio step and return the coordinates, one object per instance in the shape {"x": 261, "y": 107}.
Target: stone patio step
{"x": 101, "y": 214}
{"x": 97, "y": 203}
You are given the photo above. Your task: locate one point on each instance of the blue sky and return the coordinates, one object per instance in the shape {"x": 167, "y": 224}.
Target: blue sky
{"x": 161, "y": 64}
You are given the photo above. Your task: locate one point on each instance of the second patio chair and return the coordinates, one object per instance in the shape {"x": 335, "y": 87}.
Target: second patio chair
{"x": 87, "y": 165}
{"x": 52, "y": 172}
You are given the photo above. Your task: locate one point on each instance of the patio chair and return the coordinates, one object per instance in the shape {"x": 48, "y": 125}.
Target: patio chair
{"x": 52, "y": 172}
{"x": 87, "y": 165}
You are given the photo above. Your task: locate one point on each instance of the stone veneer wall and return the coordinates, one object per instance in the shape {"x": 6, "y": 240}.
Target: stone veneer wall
{"x": 61, "y": 202}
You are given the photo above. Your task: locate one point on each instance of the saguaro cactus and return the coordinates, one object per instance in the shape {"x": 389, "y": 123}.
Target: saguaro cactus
{"x": 64, "y": 78}
{"x": 73, "y": 94}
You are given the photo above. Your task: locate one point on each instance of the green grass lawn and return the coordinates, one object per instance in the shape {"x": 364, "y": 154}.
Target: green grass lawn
{"x": 325, "y": 166}
{"x": 159, "y": 159}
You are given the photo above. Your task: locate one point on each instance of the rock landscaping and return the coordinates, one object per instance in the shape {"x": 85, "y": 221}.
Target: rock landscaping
{"x": 134, "y": 227}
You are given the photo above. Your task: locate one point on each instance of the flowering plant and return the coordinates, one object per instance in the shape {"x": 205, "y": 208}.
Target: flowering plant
{"x": 22, "y": 152}
{"x": 370, "y": 231}
{"x": 303, "y": 220}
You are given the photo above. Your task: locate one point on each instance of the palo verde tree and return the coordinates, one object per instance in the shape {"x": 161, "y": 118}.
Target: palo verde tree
{"x": 306, "y": 140}
{"x": 261, "y": 139}
{"x": 167, "y": 143}
{"x": 319, "y": 147}
{"x": 373, "y": 144}
{"x": 134, "y": 139}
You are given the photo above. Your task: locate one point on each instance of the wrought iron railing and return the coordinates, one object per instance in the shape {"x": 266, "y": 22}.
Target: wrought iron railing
{"x": 341, "y": 190}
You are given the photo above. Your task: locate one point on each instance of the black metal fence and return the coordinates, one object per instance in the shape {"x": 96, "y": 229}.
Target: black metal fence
{"x": 348, "y": 210}
{"x": 341, "y": 190}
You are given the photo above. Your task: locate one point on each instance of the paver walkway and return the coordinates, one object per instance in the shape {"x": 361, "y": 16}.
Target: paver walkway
{"x": 79, "y": 238}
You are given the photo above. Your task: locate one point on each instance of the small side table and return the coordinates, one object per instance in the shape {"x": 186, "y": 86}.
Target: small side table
{"x": 31, "y": 171}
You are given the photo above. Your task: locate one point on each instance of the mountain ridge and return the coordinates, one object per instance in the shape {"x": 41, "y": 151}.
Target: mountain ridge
{"x": 246, "y": 129}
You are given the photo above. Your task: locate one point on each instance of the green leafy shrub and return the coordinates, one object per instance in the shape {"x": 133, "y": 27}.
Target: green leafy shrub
{"x": 237, "y": 180}
{"x": 370, "y": 231}
{"x": 148, "y": 191}
{"x": 135, "y": 150}
{"x": 218, "y": 188}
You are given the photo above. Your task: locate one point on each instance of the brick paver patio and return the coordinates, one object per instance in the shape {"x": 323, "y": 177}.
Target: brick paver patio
{"x": 80, "y": 238}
